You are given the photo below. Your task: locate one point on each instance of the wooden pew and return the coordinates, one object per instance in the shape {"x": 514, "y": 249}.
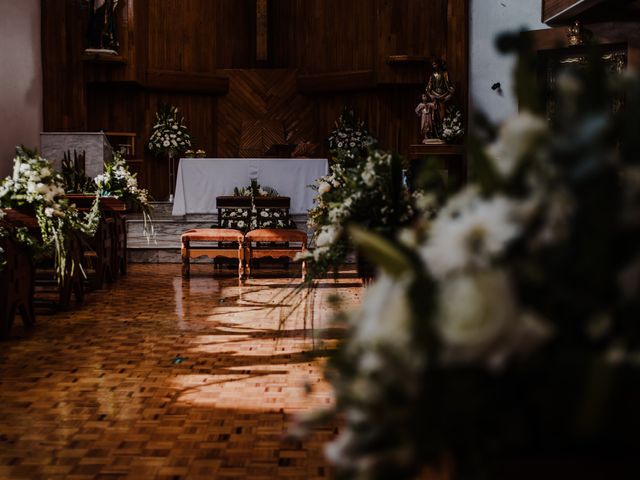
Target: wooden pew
{"x": 45, "y": 278}
{"x": 17, "y": 283}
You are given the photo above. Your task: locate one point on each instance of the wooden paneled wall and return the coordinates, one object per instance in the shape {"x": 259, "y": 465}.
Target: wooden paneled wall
{"x": 323, "y": 55}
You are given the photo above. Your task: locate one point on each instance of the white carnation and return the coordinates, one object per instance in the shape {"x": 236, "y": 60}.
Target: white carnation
{"x": 471, "y": 238}
{"x": 518, "y": 137}
{"x": 327, "y": 236}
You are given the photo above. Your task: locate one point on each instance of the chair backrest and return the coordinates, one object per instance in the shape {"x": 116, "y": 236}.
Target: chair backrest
{"x": 272, "y": 202}
{"x": 237, "y": 212}
{"x": 234, "y": 212}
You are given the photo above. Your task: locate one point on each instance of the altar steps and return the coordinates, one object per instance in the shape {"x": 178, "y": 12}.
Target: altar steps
{"x": 164, "y": 246}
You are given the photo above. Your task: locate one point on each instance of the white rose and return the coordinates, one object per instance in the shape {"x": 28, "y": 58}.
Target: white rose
{"x": 386, "y": 315}
{"x": 49, "y": 212}
{"x": 479, "y": 321}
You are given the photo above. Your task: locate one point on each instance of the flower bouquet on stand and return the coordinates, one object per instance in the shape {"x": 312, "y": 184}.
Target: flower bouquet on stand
{"x": 170, "y": 137}
{"x": 506, "y": 339}
{"x": 350, "y": 140}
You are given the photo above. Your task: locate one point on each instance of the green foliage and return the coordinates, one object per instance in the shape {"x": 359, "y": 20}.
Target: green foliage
{"x": 74, "y": 174}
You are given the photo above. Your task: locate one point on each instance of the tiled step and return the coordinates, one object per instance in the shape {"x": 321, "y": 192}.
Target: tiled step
{"x": 164, "y": 246}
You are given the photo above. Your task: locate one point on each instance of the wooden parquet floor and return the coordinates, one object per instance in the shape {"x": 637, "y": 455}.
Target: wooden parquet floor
{"x": 160, "y": 378}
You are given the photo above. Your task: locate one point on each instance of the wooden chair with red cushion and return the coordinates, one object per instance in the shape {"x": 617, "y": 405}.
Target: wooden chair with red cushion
{"x": 295, "y": 242}
{"x": 212, "y": 243}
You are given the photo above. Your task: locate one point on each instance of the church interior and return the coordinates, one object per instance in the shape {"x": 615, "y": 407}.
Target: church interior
{"x": 309, "y": 239}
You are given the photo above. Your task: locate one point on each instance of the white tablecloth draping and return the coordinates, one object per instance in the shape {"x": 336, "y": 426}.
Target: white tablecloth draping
{"x": 201, "y": 180}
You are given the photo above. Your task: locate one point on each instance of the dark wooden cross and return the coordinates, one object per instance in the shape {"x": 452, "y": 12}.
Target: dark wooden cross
{"x": 262, "y": 31}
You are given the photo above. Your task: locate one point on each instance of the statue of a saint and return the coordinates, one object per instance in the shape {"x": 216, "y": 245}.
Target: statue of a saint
{"x": 440, "y": 89}
{"x": 103, "y": 26}
{"x": 426, "y": 110}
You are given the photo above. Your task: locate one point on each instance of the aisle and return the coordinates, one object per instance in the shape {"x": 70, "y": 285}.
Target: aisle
{"x": 162, "y": 378}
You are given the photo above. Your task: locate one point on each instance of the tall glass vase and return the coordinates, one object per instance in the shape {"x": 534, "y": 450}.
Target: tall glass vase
{"x": 171, "y": 155}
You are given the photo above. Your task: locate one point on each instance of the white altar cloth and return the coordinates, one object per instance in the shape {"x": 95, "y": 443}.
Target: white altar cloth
{"x": 201, "y": 180}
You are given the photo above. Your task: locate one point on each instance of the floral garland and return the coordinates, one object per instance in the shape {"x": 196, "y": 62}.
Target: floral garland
{"x": 118, "y": 181}
{"x": 369, "y": 194}
{"x": 512, "y": 323}
{"x": 36, "y": 185}
{"x": 170, "y": 136}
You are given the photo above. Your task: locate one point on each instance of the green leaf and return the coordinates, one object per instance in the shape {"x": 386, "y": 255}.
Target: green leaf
{"x": 380, "y": 251}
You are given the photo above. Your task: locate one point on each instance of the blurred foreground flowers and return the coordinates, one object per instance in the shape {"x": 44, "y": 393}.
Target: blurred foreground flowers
{"x": 510, "y": 326}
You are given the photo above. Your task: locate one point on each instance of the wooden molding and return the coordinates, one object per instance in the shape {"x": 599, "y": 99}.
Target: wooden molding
{"x": 169, "y": 81}
{"x": 420, "y": 150}
{"x": 337, "y": 82}
{"x": 559, "y": 11}
{"x": 103, "y": 58}
{"x": 407, "y": 59}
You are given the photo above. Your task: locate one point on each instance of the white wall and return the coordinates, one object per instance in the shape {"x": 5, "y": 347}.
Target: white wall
{"x": 20, "y": 78}
{"x": 488, "y": 19}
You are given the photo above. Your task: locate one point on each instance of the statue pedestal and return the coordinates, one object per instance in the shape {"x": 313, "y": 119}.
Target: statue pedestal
{"x": 53, "y": 146}
{"x": 452, "y": 159}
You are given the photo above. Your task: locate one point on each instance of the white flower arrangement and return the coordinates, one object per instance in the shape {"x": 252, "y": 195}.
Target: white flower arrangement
{"x": 170, "y": 135}
{"x": 452, "y": 126}
{"x": 350, "y": 139}
{"x": 363, "y": 194}
{"x": 510, "y": 324}
{"x": 35, "y": 185}
{"x": 118, "y": 181}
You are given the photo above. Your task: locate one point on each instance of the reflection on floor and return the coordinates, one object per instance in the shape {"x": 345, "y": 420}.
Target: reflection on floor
{"x": 163, "y": 378}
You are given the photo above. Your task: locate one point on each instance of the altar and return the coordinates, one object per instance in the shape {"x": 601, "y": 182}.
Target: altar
{"x": 200, "y": 180}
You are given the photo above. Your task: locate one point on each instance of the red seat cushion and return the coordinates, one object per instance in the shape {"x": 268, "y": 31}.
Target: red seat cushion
{"x": 213, "y": 235}
{"x": 276, "y": 235}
